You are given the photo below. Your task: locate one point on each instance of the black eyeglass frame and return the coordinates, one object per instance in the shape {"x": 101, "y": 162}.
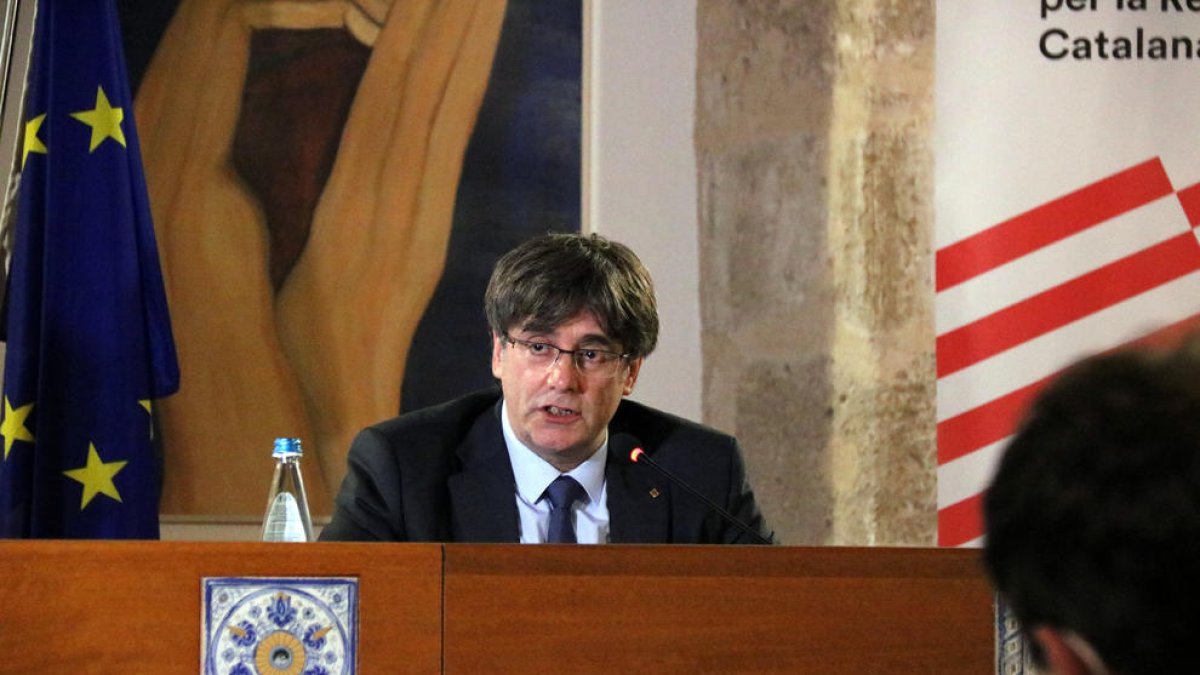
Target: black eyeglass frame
{"x": 576, "y": 355}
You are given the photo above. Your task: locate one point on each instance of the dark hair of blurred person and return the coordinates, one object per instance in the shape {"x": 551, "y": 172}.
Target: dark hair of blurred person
{"x": 1093, "y": 516}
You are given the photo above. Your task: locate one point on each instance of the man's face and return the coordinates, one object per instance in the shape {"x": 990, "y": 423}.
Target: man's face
{"x": 557, "y": 411}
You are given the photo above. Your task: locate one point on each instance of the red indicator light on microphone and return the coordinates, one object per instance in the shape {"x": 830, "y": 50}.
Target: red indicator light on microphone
{"x": 636, "y": 454}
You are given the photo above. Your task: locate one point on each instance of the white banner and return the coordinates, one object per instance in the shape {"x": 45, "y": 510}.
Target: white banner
{"x": 1068, "y": 189}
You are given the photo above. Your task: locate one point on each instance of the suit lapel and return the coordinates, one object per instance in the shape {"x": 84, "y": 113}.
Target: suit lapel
{"x": 482, "y": 502}
{"x": 483, "y": 505}
{"x": 638, "y": 503}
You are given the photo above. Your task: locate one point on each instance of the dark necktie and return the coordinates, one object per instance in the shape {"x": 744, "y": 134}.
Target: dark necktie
{"x": 562, "y": 493}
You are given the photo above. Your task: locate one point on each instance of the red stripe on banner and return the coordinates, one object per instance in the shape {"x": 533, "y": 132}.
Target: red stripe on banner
{"x": 1172, "y": 336}
{"x": 961, "y": 522}
{"x": 1189, "y": 198}
{"x": 981, "y": 426}
{"x": 963, "y": 434}
{"x": 1067, "y": 302}
{"x": 1051, "y": 222}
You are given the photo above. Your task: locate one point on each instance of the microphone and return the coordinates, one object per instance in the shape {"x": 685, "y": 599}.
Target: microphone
{"x": 639, "y": 456}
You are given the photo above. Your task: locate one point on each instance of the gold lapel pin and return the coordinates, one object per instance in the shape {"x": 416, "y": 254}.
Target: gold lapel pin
{"x": 654, "y": 493}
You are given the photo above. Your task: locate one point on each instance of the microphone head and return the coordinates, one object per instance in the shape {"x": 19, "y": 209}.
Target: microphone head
{"x": 626, "y": 445}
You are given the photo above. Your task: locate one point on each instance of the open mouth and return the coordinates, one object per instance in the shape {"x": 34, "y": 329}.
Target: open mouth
{"x": 556, "y": 411}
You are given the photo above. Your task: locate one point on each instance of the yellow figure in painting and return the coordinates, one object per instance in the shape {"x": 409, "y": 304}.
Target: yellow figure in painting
{"x": 309, "y": 342}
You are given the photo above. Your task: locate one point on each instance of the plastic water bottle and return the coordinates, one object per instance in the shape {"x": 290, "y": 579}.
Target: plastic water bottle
{"x": 287, "y": 517}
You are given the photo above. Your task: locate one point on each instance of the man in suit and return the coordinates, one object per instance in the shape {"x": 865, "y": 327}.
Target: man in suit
{"x": 1093, "y": 517}
{"x": 572, "y": 319}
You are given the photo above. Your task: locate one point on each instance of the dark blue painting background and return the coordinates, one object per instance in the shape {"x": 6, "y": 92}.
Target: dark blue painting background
{"x": 521, "y": 177}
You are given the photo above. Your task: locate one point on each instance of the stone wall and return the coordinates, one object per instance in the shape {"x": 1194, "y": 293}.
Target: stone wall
{"x": 814, "y": 124}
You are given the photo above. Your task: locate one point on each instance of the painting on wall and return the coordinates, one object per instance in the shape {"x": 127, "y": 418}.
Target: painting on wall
{"x": 331, "y": 184}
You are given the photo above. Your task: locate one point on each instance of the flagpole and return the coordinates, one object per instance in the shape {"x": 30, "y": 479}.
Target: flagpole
{"x": 16, "y": 43}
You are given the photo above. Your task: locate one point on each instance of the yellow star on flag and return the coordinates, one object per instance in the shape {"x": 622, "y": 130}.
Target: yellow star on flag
{"x": 104, "y": 120}
{"x": 32, "y": 143}
{"x": 146, "y": 405}
{"x": 13, "y": 427}
{"x": 96, "y": 477}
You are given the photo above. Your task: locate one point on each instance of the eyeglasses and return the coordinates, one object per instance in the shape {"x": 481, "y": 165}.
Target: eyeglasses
{"x": 596, "y": 363}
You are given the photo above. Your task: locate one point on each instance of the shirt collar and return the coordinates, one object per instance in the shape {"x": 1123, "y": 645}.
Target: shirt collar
{"x": 534, "y": 474}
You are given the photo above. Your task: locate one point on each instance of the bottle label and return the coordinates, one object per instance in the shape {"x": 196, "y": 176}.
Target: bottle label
{"x": 283, "y": 520}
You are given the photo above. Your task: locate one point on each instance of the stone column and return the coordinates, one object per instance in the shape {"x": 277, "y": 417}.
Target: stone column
{"x": 813, "y": 138}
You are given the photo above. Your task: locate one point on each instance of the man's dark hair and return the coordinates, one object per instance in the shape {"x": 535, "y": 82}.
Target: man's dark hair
{"x": 1093, "y": 516}
{"x": 550, "y": 279}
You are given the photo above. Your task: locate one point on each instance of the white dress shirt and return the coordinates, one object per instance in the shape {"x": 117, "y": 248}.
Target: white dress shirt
{"x": 534, "y": 475}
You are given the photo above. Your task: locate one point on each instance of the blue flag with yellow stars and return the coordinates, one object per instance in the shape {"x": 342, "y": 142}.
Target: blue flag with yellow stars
{"x": 89, "y": 343}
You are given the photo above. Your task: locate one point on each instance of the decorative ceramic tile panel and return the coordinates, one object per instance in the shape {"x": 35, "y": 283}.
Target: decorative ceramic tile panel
{"x": 1012, "y": 652}
{"x": 279, "y": 626}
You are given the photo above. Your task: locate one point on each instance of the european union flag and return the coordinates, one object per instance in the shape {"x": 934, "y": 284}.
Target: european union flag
{"x": 89, "y": 337}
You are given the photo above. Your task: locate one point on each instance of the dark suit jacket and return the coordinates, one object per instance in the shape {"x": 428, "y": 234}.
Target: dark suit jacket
{"x": 443, "y": 474}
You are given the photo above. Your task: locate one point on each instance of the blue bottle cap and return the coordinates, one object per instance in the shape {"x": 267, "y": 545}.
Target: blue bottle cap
{"x": 287, "y": 447}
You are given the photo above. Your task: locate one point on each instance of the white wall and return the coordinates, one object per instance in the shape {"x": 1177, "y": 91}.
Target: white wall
{"x": 640, "y": 172}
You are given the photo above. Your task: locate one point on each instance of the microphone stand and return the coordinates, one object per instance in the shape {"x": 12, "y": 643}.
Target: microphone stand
{"x": 639, "y": 456}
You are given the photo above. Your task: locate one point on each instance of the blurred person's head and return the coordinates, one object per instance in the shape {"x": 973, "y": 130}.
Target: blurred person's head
{"x": 1093, "y": 516}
